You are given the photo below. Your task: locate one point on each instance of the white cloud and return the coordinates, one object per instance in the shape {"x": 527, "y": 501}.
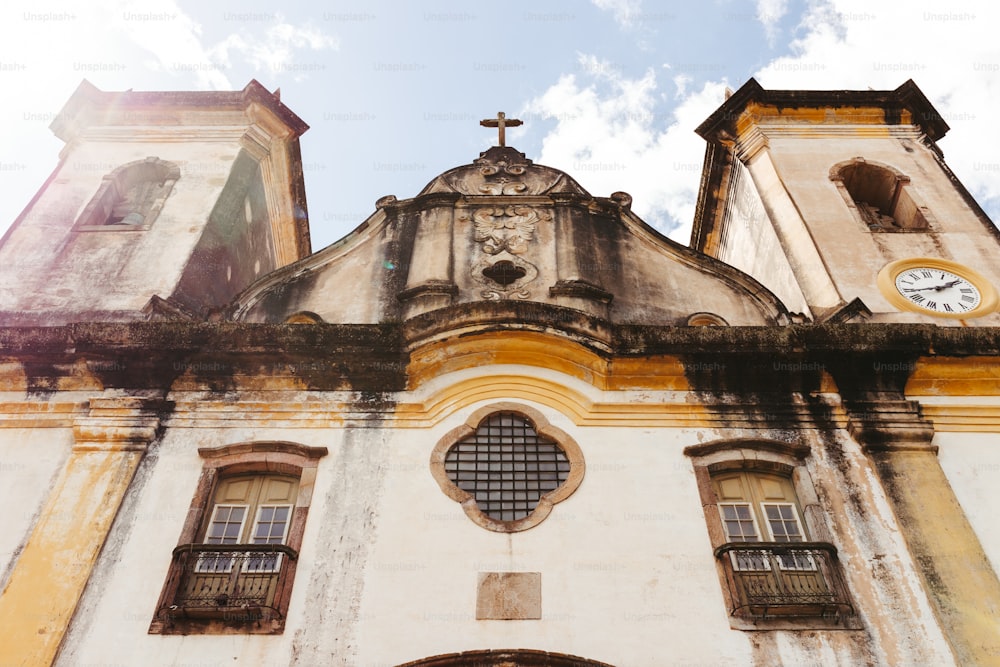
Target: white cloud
{"x": 277, "y": 50}
{"x": 174, "y": 41}
{"x": 682, "y": 81}
{"x": 769, "y": 13}
{"x": 610, "y": 136}
{"x": 177, "y": 45}
{"x": 624, "y": 11}
{"x": 950, "y": 51}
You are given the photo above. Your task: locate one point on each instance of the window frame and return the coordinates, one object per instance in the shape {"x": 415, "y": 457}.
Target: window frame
{"x": 276, "y": 558}
{"x": 220, "y": 463}
{"x": 211, "y": 522}
{"x": 200, "y": 565}
{"x": 95, "y": 215}
{"x": 784, "y": 460}
{"x": 753, "y": 520}
{"x": 740, "y": 564}
{"x": 904, "y": 199}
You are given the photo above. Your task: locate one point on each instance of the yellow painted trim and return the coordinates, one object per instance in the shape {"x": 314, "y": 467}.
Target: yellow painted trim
{"x": 661, "y": 373}
{"x": 955, "y": 376}
{"x": 50, "y": 575}
{"x": 426, "y": 414}
{"x": 12, "y": 375}
{"x": 531, "y": 348}
{"x": 580, "y": 409}
{"x": 964, "y": 418}
{"x": 79, "y": 377}
{"x": 508, "y": 347}
{"x": 958, "y": 577}
{"x": 583, "y": 411}
{"x": 277, "y": 413}
{"x": 818, "y": 117}
{"x": 40, "y": 414}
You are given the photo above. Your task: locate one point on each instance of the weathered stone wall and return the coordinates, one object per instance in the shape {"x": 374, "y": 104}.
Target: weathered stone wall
{"x": 750, "y": 243}
{"x": 78, "y": 275}
{"x": 852, "y": 254}
{"x": 389, "y": 563}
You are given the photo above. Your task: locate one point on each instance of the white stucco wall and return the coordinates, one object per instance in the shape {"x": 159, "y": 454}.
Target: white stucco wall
{"x": 388, "y": 566}
{"x": 30, "y": 461}
{"x": 971, "y": 461}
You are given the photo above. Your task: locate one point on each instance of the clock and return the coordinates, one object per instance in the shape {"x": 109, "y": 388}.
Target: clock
{"x": 937, "y": 287}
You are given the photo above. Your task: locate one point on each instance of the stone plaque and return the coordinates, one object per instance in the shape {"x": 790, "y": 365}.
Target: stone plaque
{"x": 509, "y": 596}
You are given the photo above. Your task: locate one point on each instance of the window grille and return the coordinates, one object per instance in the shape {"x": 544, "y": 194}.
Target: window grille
{"x": 506, "y": 466}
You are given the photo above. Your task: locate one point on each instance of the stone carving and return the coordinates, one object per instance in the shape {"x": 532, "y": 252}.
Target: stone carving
{"x": 505, "y": 232}
{"x": 506, "y": 277}
{"x": 507, "y": 228}
{"x": 504, "y": 171}
{"x": 498, "y": 181}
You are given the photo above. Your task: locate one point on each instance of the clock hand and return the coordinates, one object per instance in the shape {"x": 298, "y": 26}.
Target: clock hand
{"x": 936, "y": 288}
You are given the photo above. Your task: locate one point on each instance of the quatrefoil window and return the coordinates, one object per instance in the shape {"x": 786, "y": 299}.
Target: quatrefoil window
{"x": 507, "y": 468}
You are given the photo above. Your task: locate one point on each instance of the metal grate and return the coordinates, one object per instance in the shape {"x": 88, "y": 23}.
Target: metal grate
{"x": 232, "y": 582}
{"x": 771, "y": 579}
{"x": 506, "y": 466}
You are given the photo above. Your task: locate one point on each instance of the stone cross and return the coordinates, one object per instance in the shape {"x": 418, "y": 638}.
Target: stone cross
{"x": 501, "y": 122}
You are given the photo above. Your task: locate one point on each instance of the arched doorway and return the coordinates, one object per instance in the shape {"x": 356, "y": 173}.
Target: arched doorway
{"x": 505, "y": 658}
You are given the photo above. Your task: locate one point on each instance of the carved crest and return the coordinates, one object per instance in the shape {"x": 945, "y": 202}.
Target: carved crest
{"x": 498, "y": 179}
{"x": 507, "y": 228}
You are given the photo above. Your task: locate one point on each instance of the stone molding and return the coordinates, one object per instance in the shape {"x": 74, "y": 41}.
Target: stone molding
{"x": 118, "y": 424}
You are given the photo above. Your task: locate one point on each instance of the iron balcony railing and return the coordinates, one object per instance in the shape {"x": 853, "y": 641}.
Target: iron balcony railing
{"x": 230, "y": 582}
{"x": 784, "y": 579}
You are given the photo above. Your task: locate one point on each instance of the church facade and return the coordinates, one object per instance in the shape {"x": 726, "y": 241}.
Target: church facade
{"x": 503, "y": 422}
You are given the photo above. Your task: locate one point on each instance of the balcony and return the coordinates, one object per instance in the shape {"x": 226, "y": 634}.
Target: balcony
{"x": 784, "y": 580}
{"x": 237, "y": 584}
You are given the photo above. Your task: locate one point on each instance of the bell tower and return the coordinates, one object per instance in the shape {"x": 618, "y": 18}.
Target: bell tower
{"x": 841, "y": 203}
{"x": 163, "y": 205}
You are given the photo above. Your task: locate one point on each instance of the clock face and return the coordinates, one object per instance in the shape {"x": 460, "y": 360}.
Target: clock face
{"x": 937, "y": 290}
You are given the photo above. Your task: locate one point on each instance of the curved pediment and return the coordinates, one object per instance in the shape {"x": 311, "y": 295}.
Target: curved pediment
{"x": 503, "y": 231}
{"x": 502, "y": 170}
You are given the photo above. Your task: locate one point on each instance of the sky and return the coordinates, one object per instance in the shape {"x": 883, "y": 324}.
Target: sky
{"x": 610, "y": 91}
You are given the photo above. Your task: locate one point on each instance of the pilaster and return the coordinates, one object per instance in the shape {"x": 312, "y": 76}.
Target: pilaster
{"x": 961, "y": 585}
{"x": 56, "y": 562}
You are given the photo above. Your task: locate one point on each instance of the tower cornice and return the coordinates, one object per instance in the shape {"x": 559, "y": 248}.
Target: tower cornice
{"x": 751, "y": 104}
